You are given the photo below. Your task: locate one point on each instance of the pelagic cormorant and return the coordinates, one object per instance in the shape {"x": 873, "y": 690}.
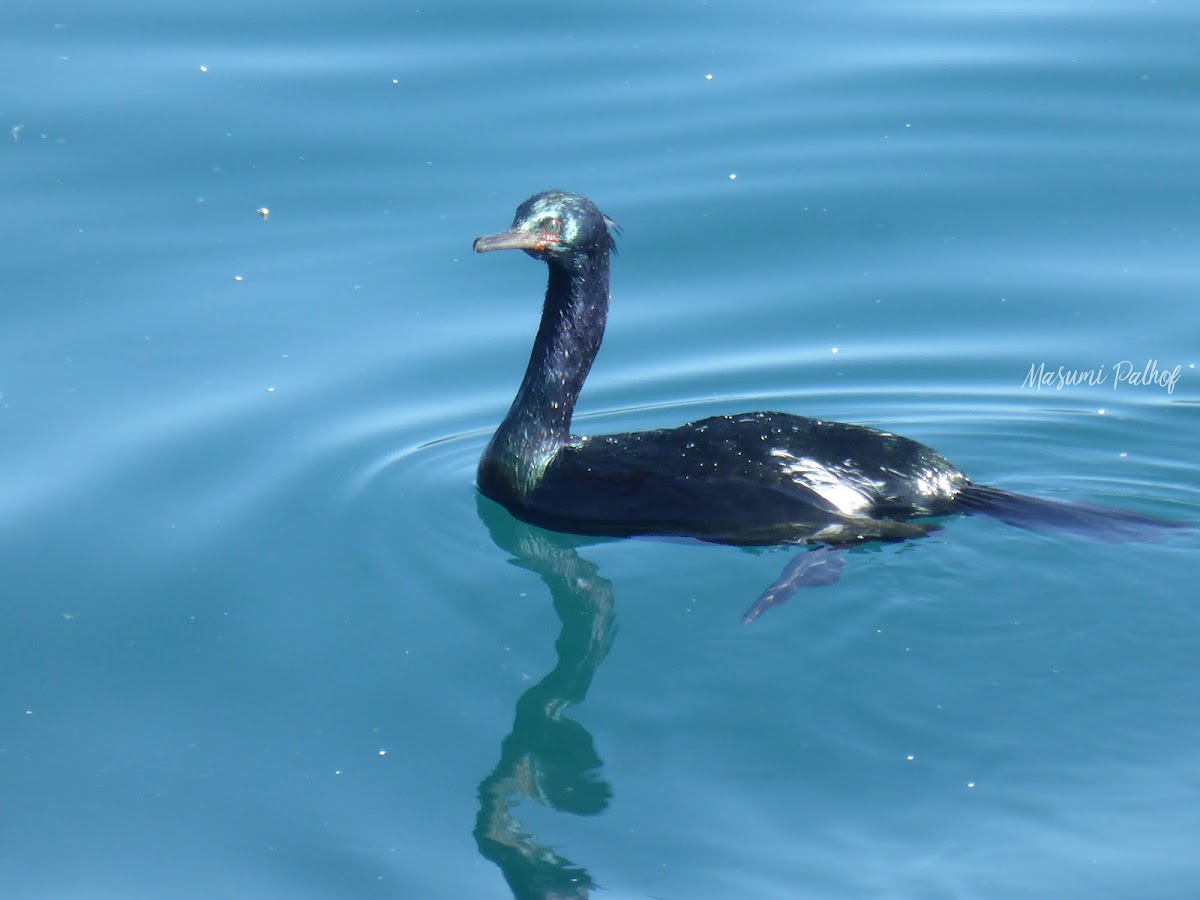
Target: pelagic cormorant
{"x": 757, "y": 478}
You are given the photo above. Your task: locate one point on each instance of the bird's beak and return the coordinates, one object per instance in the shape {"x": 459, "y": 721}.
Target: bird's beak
{"x": 513, "y": 239}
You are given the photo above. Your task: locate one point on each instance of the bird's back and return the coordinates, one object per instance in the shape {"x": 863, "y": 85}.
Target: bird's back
{"x": 753, "y": 478}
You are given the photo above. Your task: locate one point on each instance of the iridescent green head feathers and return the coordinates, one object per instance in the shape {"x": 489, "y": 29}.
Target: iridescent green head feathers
{"x": 555, "y": 225}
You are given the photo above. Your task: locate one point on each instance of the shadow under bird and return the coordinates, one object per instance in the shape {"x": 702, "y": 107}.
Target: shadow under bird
{"x": 749, "y": 479}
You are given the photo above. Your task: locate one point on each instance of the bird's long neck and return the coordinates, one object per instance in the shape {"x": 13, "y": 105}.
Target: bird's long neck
{"x": 539, "y": 422}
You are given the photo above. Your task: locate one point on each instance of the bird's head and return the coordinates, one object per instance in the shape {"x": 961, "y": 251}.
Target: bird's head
{"x": 555, "y": 226}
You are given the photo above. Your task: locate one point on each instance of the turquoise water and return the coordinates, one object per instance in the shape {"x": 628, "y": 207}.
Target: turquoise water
{"x": 261, "y": 639}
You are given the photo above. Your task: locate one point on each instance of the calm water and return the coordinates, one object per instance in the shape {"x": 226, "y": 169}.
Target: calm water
{"x": 261, "y": 639}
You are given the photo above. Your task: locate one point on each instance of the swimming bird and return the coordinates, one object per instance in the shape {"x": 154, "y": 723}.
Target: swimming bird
{"x": 753, "y": 478}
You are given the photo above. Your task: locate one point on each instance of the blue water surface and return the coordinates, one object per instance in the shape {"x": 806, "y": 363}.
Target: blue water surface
{"x": 261, "y": 638}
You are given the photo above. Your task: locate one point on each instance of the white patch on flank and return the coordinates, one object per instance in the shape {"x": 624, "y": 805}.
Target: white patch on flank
{"x": 849, "y": 496}
{"x": 931, "y": 483}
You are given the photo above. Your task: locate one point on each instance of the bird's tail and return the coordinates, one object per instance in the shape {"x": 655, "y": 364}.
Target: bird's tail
{"x": 1104, "y": 523}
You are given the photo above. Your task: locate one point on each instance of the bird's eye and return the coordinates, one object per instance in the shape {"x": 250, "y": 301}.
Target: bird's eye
{"x": 552, "y": 227}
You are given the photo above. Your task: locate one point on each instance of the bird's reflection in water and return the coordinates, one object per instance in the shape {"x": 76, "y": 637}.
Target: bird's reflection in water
{"x": 547, "y": 757}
